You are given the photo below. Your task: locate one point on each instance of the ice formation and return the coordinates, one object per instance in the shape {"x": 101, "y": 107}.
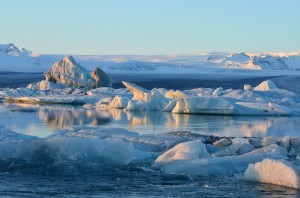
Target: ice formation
{"x": 172, "y": 153}
{"x": 102, "y": 79}
{"x": 79, "y": 150}
{"x": 265, "y": 86}
{"x": 69, "y": 73}
{"x": 278, "y": 172}
{"x": 184, "y": 151}
{"x": 269, "y": 100}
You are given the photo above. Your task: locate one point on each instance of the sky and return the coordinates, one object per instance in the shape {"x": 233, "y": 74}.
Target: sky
{"x": 95, "y": 27}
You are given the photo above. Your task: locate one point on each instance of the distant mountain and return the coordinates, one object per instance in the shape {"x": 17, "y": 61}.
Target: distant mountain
{"x": 11, "y": 49}
{"x": 258, "y": 61}
{"x": 14, "y": 59}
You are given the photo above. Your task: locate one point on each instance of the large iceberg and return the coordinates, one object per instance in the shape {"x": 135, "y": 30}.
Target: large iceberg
{"x": 69, "y": 73}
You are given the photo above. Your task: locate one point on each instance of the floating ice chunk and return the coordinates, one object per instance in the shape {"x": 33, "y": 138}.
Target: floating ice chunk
{"x": 271, "y": 149}
{"x": 101, "y": 78}
{"x": 108, "y": 92}
{"x": 266, "y": 141}
{"x": 211, "y": 148}
{"x": 238, "y": 146}
{"x": 17, "y": 93}
{"x": 222, "y": 142}
{"x": 278, "y": 172}
{"x": 61, "y": 150}
{"x": 210, "y": 105}
{"x": 247, "y": 87}
{"x": 295, "y": 142}
{"x": 139, "y": 93}
{"x": 223, "y": 165}
{"x": 287, "y": 101}
{"x": 170, "y": 106}
{"x": 156, "y": 101}
{"x": 46, "y": 85}
{"x": 134, "y": 105}
{"x": 245, "y": 148}
{"x": 239, "y": 140}
{"x": 54, "y": 99}
{"x": 218, "y": 92}
{"x": 175, "y": 94}
{"x": 294, "y": 148}
{"x": 119, "y": 102}
{"x": 153, "y": 100}
{"x": 184, "y": 151}
{"x": 261, "y": 108}
{"x": 228, "y": 150}
{"x": 265, "y": 86}
{"x": 9, "y": 135}
{"x": 227, "y": 91}
{"x": 285, "y": 142}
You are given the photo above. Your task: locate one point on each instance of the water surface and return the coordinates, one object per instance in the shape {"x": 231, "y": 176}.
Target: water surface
{"x": 42, "y": 120}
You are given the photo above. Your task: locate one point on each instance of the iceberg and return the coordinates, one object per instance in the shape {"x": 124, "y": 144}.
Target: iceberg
{"x": 265, "y": 86}
{"x": 149, "y": 100}
{"x": 69, "y": 73}
{"x": 205, "y": 105}
{"x": 102, "y": 79}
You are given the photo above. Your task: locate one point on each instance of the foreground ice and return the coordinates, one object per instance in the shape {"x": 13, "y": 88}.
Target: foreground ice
{"x": 171, "y": 153}
{"x": 277, "y": 172}
{"x": 207, "y": 165}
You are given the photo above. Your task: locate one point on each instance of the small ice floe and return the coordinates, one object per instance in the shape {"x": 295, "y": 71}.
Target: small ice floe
{"x": 278, "y": 172}
{"x": 247, "y": 87}
{"x": 218, "y": 92}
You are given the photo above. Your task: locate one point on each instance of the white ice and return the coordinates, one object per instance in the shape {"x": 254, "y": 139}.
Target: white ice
{"x": 278, "y": 172}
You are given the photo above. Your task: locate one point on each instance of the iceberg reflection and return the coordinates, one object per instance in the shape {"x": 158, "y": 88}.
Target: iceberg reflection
{"x": 44, "y": 119}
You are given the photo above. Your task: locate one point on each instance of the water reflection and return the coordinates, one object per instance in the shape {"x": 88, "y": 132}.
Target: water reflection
{"x": 41, "y": 120}
{"x": 59, "y": 117}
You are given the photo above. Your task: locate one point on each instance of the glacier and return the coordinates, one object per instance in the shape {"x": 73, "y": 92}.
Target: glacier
{"x": 27, "y": 61}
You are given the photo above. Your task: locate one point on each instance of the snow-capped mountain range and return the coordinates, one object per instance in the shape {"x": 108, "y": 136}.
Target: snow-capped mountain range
{"x": 12, "y": 50}
{"x": 13, "y": 59}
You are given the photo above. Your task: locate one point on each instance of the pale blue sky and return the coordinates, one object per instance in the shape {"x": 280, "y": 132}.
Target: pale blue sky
{"x": 150, "y": 26}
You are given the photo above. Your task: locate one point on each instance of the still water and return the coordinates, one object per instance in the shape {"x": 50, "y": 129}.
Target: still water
{"x": 42, "y": 120}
